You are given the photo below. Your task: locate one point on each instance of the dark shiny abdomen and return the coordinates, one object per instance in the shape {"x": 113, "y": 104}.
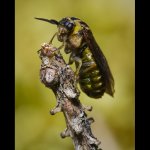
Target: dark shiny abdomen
{"x": 90, "y": 79}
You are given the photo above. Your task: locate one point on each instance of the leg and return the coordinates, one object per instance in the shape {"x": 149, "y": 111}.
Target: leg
{"x": 78, "y": 62}
{"x": 50, "y": 42}
{"x": 89, "y": 68}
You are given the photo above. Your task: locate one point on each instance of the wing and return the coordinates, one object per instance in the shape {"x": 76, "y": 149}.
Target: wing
{"x": 99, "y": 59}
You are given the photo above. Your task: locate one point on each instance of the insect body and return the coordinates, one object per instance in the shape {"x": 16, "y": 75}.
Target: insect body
{"x": 95, "y": 77}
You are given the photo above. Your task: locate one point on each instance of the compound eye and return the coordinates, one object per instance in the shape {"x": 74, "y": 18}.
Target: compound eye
{"x": 69, "y": 26}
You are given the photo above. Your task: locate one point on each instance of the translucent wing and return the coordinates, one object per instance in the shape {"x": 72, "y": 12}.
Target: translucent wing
{"x": 99, "y": 59}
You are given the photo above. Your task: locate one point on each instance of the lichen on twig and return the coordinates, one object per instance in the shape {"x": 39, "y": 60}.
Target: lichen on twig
{"x": 58, "y": 76}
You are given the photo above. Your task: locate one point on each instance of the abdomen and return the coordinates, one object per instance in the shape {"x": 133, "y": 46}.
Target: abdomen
{"x": 90, "y": 79}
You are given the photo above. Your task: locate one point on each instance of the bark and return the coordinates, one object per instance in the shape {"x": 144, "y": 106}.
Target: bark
{"x": 58, "y": 76}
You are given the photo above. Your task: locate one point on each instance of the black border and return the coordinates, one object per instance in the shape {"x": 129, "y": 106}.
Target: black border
{"x": 7, "y": 65}
{"x": 142, "y": 75}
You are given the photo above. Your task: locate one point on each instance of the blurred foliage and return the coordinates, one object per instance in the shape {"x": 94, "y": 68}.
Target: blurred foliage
{"x": 112, "y": 23}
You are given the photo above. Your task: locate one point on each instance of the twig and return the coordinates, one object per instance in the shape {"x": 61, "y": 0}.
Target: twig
{"x": 58, "y": 76}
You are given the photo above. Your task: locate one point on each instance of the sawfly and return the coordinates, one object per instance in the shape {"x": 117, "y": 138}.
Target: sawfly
{"x": 95, "y": 77}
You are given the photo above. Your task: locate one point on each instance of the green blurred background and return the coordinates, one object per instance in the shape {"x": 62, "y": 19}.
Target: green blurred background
{"x": 112, "y": 23}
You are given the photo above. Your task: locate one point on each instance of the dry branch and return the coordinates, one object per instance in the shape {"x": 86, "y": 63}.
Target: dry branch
{"x": 58, "y": 76}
